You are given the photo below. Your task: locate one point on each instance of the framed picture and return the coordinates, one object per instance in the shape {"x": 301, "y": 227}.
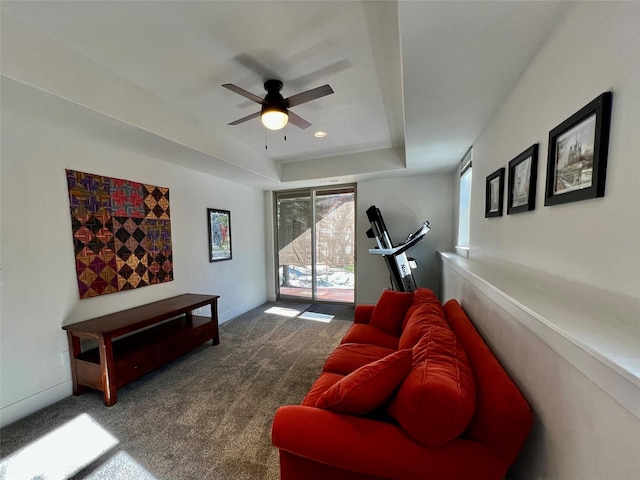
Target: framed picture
{"x": 577, "y": 158}
{"x": 494, "y": 194}
{"x": 523, "y": 173}
{"x": 219, "y": 234}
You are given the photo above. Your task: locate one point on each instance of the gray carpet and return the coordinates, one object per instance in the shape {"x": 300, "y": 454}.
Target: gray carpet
{"x": 208, "y": 414}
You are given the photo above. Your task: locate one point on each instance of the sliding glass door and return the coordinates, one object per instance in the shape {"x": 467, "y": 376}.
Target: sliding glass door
{"x": 315, "y": 233}
{"x": 293, "y": 230}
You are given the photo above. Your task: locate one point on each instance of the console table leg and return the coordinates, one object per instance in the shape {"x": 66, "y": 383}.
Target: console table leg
{"x": 74, "y": 352}
{"x": 106, "y": 364}
{"x": 214, "y": 318}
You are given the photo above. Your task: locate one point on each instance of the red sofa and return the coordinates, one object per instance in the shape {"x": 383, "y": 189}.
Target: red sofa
{"x": 411, "y": 392}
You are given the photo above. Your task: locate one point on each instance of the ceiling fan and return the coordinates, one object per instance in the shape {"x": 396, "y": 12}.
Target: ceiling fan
{"x": 275, "y": 110}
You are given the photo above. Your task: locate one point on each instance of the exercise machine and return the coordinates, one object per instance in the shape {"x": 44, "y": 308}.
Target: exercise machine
{"x": 399, "y": 265}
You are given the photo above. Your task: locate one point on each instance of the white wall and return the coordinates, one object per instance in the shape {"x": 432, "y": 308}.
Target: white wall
{"x": 405, "y": 202}
{"x": 43, "y": 135}
{"x": 593, "y": 241}
{"x": 581, "y": 431}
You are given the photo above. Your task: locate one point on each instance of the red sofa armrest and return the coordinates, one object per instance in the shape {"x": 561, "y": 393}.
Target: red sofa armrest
{"x": 376, "y": 448}
{"x": 363, "y": 314}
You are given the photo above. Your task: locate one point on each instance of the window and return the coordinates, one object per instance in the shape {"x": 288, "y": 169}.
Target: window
{"x": 464, "y": 205}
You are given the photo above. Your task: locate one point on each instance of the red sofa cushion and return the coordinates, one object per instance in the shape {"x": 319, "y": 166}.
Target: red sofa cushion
{"x": 321, "y": 385}
{"x": 389, "y": 312}
{"x": 420, "y": 318}
{"x": 367, "y": 334}
{"x": 436, "y": 401}
{"x": 362, "y": 313}
{"x": 348, "y": 357}
{"x": 368, "y": 387}
{"x": 425, "y": 295}
{"x": 420, "y": 297}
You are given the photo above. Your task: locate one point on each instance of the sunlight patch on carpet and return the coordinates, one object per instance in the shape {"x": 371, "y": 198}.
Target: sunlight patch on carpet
{"x": 60, "y": 453}
{"x": 285, "y": 312}
{"x": 316, "y": 317}
{"x": 121, "y": 467}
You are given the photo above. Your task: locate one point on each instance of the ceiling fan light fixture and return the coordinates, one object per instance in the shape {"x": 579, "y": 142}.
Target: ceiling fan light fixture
{"x": 274, "y": 118}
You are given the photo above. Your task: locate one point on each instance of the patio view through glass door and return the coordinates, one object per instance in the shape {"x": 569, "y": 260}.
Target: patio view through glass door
{"x": 315, "y": 232}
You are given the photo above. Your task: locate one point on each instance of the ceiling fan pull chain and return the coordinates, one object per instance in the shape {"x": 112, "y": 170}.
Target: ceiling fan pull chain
{"x": 285, "y": 133}
{"x": 265, "y": 139}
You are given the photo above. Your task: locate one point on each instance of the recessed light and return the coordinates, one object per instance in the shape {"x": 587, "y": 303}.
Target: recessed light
{"x": 320, "y": 134}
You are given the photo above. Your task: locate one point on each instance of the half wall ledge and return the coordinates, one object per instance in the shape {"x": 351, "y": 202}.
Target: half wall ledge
{"x": 597, "y": 332}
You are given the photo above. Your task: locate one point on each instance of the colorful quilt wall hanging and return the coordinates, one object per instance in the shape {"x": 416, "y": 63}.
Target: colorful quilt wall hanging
{"x": 121, "y": 233}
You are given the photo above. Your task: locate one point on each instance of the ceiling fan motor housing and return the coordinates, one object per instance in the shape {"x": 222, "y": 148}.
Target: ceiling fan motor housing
{"x": 273, "y": 97}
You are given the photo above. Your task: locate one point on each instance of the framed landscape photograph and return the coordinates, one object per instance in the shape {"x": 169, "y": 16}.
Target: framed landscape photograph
{"x": 219, "y": 234}
{"x": 523, "y": 173}
{"x": 577, "y": 158}
{"x": 494, "y": 195}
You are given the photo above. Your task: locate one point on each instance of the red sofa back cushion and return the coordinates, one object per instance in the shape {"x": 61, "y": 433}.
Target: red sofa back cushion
{"x": 435, "y": 403}
{"x": 503, "y": 418}
{"x": 388, "y": 313}
{"x": 419, "y": 320}
{"x": 369, "y": 387}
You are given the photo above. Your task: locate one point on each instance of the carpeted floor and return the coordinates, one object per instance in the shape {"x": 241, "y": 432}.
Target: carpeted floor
{"x": 208, "y": 414}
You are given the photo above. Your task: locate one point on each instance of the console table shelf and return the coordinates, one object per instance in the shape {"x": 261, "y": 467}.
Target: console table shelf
{"x": 156, "y": 334}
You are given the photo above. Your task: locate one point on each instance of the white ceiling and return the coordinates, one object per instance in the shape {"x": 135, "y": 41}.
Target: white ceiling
{"x": 415, "y": 82}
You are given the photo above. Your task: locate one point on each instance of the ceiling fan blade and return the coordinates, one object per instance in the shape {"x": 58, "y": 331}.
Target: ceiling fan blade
{"x": 244, "y": 119}
{"x": 308, "y": 95}
{"x": 323, "y": 72}
{"x": 298, "y": 121}
{"x": 243, "y": 92}
{"x": 256, "y": 67}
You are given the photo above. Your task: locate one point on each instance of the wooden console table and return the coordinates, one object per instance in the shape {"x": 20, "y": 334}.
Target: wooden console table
{"x": 116, "y": 362}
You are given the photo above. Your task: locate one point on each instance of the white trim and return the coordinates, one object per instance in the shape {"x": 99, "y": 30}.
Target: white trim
{"x": 604, "y": 350}
{"x": 238, "y": 310}
{"x": 33, "y": 403}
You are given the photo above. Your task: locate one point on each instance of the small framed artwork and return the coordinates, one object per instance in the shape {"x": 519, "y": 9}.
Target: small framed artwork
{"x": 523, "y": 173}
{"x": 219, "y": 234}
{"x": 577, "y": 158}
{"x": 494, "y": 194}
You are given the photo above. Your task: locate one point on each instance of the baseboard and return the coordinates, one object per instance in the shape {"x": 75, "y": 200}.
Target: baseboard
{"x": 227, "y": 315}
{"x": 238, "y": 310}
{"x": 35, "y": 402}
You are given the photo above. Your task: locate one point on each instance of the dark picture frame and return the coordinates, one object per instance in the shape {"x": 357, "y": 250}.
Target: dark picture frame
{"x": 523, "y": 175}
{"x": 577, "y": 157}
{"x": 219, "y": 234}
{"x": 494, "y": 194}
